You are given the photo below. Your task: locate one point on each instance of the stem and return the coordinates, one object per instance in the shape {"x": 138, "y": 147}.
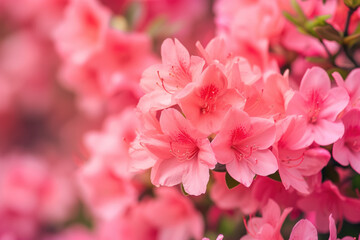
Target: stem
{"x": 346, "y": 33}
{"x": 347, "y": 23}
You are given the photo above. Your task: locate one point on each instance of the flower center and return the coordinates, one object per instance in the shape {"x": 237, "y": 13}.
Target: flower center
{"x": 315, "y": 103}
{"x": 183, "y": 147}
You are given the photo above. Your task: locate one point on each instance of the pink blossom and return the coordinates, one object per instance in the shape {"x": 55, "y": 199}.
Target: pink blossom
{"x": 242, "y": 144}
{"x": 326, "y": 200}
{"x": 268, "y": 226}
{"x": 305, "y": 230}
{"x": 209, "y": 100}
{"x": 109, "y": 80}
{"x": 111, "y": 145}
{"x": 82, "y": 31}
{"x": 28, "y": 79}
{"x": 32, "y": 193}
{"x": 106, "y": 193}
{"x": 239, "y": 197}
{"x": 182, "y": 154}
{"x": 148, "y": 220}
{"x": 162, "y": 81}
{"x": 351, "y": 86}
{"x": 320, "y": 105}
{"x": 347, "y": 149}
{"x": 295, "y": 160}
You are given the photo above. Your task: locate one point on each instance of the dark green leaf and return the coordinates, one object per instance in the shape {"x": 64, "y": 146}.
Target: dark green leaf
{"x": 328, "y": 32}
{"x": 275, "y": 176}
{"x": 230, "y": 182}
{"x": 356, "y": 182}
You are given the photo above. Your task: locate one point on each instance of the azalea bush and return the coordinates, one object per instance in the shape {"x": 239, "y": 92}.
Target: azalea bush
{"x": 179, "y": 120}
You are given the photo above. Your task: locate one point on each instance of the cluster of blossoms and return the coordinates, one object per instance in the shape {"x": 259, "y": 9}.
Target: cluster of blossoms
{"x": 112, "y": 129}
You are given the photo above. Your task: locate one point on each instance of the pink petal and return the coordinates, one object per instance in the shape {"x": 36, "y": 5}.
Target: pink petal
{"x": 240, "y": 171}
{"x": 271, "y": 212}
{"x": 334, "y": 103}
{"x": 332, "y": 228}
{"x": 326, "y": 132}
{"x": 196, "y": 178}
{"x": 263, "y": 133}
{"x": 297, "y": 105}
{"x": 168, "y": 172}
{"x": 315, "y": 79}
{"x": 172, "y": 123}
{"x": 351, "y": 208}
{"x": 213, "y": 76}
{"x": 341, "y": 153}
{"x": 339, "y": 80}
{"x": 303, "y": 230}
{"x": 292, "y": 177}
{"x": 174, "y": 53}
{"x": 206, "y": 154}
{"x": 262, "y": 162}
{"x": 352, "y": 83}
{"x": 314, "y": 160}
{"x": 155, "y": 100}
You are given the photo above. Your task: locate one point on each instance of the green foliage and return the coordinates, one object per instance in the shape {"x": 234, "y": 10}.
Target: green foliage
{"x": 353, "y": 4}
{"x": 230, "y": 182}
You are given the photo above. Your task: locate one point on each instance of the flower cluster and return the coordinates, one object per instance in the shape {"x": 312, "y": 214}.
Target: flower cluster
{"x": 179, "y": 119}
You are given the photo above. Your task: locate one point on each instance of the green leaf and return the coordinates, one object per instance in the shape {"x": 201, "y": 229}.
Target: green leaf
{"x": 353, "y": 4}
{"x": 230, "y": 182}
{"x": 291, "y": 18}
{"x": 356, "y": 182}
{"x": 298, "y": 10}
{"x": 328, "y": 32}
{"x": 316, "y": 59}
{"x": 275, "y": 176}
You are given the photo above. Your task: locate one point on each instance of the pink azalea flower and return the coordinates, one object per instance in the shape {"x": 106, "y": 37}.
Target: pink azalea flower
{"x": 32, "y": 193}
{"x": 305, "y": 230}
{"x": 239, "y": 197}
{"x": 326, "y": 200}
{"x": 209, "y": 100}
{"x": 162, "y": 81}
{"x": 265, "y": 188}
{"x": 347, "y": 149}
{"x": 168, "y": 216}
{"x": 106, "y": 193}
{"x": 351, "y": 85}
{"x": 295, "y": 160}
{"x": 182, "y": 154}
{"x": 111, "y": 145}
{"x": 82, "y": 31}
{"x": 321, "y": 105}
{"x": 180, "y": 221}
{"x": 268, "y": 226}
{"x": 242, "y": 144}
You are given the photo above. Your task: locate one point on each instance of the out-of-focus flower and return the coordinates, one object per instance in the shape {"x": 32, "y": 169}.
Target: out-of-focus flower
{"x": 268, "y": 226}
